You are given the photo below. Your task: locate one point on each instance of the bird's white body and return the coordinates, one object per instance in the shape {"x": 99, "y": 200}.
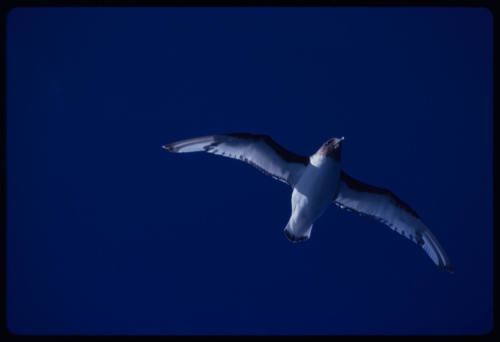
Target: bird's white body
{"x": 313, "y": 194}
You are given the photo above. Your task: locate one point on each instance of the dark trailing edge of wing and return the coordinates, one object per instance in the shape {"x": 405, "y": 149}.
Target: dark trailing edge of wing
{"x": 363, "y": 187}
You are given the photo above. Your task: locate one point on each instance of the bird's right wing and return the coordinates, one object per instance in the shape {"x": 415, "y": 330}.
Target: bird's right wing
{"x": 383, "y": 205}
{"x": 259, "y": 151}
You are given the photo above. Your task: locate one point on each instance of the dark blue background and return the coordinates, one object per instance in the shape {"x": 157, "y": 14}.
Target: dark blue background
{"x": 107, "y": 233}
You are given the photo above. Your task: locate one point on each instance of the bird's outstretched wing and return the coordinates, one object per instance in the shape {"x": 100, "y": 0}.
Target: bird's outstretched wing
{"x": 383, "y": 205}
{"x": 259, "y": 151}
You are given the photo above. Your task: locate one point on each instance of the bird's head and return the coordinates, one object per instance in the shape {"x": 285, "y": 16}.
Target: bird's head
{"x": 332, "y": 148}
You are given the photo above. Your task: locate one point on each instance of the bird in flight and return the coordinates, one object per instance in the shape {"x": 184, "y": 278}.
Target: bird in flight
{"x": 317, "y": 181}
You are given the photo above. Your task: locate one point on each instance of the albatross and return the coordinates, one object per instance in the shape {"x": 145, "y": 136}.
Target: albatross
{"x": 317, "y": 181}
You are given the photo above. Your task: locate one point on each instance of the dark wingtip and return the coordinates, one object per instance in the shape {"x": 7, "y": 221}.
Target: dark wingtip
{"x": 448, "y": 268}
{"x": 169, "y": 147}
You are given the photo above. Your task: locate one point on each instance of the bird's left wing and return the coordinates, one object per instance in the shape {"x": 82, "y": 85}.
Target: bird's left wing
{"x": 383, "y": 205}
{"x": 259, "y": 151}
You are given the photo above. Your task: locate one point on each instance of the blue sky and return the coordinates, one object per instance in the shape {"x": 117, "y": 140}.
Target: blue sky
{"x": 107, "y": 233}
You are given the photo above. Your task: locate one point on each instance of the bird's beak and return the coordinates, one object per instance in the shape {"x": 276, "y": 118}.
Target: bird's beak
{"x": 342, "y": 139}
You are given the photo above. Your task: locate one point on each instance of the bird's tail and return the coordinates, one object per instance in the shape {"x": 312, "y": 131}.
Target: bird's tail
{"x": 295, "y": 236}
